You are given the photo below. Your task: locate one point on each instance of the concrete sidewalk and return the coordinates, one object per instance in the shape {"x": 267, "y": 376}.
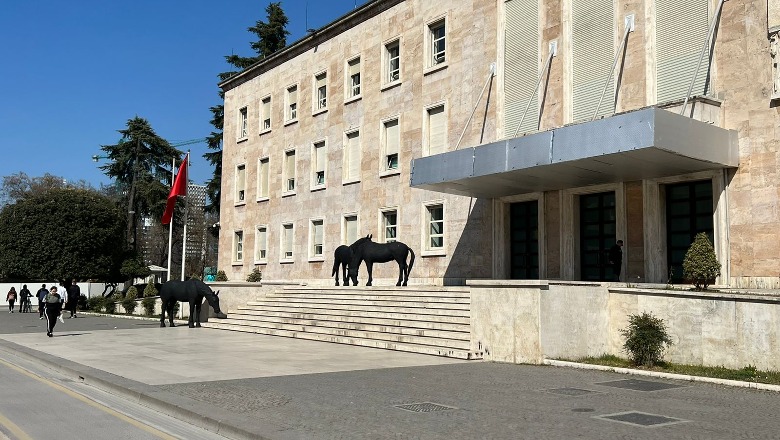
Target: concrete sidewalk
{"x": 262, "y": 387}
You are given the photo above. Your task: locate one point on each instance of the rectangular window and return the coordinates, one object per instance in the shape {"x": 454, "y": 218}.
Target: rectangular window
{"x": 289, "y": 171}
{"x": 435, "y": 227}
{"x": 265, "y": 110}
{"x": 292, "y": 103}
{"x": 680, "y": 29}
{"x": 242, "y": 121}
{"x": 263, "y": 176}
{"x": 350, "y": 228}
{"x": 392, "y": 61}
{"x": 436, "y": 135}
{"x": 321, "y": 91}
{"x": 287, "y": 241}
{"x": 238, "y": 246}
{"x": 352, "y": 157}
{"x": 437, "y": 38}
{"x": 261, "y": 243}
{"x": 592, "y": 52}
{"x": 353, "y": 78}
{"x": 316, "y": 238}
{"x": 521, "y": 67}
{"x": 391, "y": 139}
{"x": 390, "y": 225}
{"x": 240, "y": 183}
{"x": 319, "y": 160}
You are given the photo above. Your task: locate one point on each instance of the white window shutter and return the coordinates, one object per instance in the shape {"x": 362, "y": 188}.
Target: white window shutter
{"x": 437, "y": 133}
{"x": 521, "y": 68}
{"x": 351, "y": 229}
{"x": 320, "y": 157}
{"x": 353, "y": 155}
{"x": 593, "y": 52}
{"x": 392, "y": 137}
{"x": 681, "y": 28}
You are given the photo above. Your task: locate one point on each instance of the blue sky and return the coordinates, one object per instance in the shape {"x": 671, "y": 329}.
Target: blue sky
{"x": 74, "y": 72}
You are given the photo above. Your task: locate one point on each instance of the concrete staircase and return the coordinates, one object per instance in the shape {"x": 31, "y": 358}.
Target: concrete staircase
{"x": 427, "y": 320}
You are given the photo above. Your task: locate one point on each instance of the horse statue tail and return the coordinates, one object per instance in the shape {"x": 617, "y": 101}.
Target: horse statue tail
{"x": 411, "y": 263}
{"x": 335, "y": 266}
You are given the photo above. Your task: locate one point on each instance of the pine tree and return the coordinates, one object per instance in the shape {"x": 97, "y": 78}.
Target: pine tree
{"x": 701, "y": 264}
{"x": 271, "y": 37}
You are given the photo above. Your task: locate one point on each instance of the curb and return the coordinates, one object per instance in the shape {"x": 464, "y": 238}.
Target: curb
{"x": 661, "y": 375}
{"x": 194, "y": 412}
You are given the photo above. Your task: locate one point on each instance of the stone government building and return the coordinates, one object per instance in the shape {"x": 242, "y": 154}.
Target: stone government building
{"x": 511, "y": 140}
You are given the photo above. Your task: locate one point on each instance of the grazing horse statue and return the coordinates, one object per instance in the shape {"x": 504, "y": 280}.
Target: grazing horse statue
{"x": 191, "y": 291}
{"x": 372, "y": 252}
{"x": 343, "y": 255}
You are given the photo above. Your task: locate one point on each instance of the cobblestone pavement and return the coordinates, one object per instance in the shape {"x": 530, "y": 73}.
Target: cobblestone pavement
{"x": 459, "y": 400}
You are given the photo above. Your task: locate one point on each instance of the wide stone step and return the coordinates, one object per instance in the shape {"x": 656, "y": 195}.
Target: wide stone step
{"x": 350, "y": 314}
{"x": 368, "y": 297}
{"x": 351, "y": 340}
{"x": 359, "y": 320}
{"x": 360, "y": 334}
{"x": 369, "y": 302}
{"x": 361, "y": 290}
{"x": 397, "y": 328}
{"x": 422, "y": 310}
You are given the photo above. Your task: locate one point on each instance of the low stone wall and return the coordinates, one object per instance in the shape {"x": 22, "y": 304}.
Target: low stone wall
{"x": 527, "y": 322}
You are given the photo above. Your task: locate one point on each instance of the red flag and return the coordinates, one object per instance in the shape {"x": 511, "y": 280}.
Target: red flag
{"x": 179, "y": 189}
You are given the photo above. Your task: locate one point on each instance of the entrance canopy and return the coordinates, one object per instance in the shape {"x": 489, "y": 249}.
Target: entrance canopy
{"x": 643, "y": 144}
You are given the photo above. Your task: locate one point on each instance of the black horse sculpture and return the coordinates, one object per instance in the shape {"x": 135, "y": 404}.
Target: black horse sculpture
{"x": 343, "y": 255}
{"x": 371, "y": 253}
{"x": 191, "y": 291}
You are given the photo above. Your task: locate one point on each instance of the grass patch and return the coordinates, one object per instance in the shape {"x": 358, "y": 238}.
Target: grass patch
{"x": 747, "y": 374}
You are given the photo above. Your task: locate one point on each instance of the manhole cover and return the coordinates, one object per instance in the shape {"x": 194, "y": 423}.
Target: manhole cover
{"x": 570, "y": 391}
{"x": 644, "y": 420}
{"x": 582, "y": 410}
{"x": 424, "y": 407}
{"x": 640, "y": 385}
{"x": 149, "y": 324}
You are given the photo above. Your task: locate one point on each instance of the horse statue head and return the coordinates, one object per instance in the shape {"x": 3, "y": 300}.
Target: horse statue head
{"x": 211, "y": 296}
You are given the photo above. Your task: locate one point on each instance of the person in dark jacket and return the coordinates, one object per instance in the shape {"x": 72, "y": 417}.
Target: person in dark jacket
{"x": 616, "y": 259}
{"x": 24, "y": 299}
{"x": 41, "y": 295}
{"x": 73, "y": 292}
{"x": 52, "y": 308}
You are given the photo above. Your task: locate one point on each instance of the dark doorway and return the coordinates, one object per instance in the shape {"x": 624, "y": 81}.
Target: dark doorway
{"x": 524, "y": 240}
{"x": 597, "y": 235}
{"x": 688, "y": 211}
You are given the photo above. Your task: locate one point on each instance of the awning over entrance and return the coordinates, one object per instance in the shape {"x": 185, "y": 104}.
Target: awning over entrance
{"x": 642, "y": 144}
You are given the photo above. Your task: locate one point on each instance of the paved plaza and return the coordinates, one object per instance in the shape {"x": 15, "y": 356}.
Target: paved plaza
{"x": 255, "y": 386}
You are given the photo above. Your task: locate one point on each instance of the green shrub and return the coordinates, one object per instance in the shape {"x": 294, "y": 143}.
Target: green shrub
{"x": 221, "y": 275}
{"x": 646, "y": 338}
{"x": 82, "y": 302}
{"x": 110, "y": 304}
{"x": 255, "y": 277}
{"x": 701, "y": 265}
{"x": 150, "y": 290}
{"x": 129, "y": 303}
{"x": 96, "y": 303}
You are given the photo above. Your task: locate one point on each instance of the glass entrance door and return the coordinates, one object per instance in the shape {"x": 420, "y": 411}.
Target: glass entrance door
{"x": 524, "y": 240}
{"x": 689, "y": 211}
{"x": 597, "y": 235}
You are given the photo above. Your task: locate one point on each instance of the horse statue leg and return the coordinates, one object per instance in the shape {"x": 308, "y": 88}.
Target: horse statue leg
{"x": 344, "y": 270}
{"x": 401, "y": 271}
{"x": 191, "y": 321}
{"x": 198, "y": 305}
{"x": 370, "y": 269}
{"x": 162, "y": 314}
{"x": 169, "y": 308}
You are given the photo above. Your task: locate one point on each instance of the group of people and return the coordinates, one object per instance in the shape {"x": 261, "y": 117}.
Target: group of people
{"x": 51, "y": 302}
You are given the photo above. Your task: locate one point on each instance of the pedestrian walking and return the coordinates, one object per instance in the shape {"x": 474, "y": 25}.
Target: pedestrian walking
{"x": 616, "y": 259}
{"x": 24, "y": 299}
{"x": 52, "y": 310}
{"x": 73, "y": 292}
{"x": 11, "y": 298}
{"x": 41, "y": 295}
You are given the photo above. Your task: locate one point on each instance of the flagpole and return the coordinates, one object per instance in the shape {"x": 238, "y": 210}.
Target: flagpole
{"x": 170, "y": 225}
{"x": 186, "y": 212}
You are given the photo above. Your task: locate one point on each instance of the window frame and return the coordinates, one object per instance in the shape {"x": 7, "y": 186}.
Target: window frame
{"x": 312, "y": 246}
{"x": 237, "y": 257}
{"x": 387, "y": 60}
{"x": 291, "y": 108}
{"x": 242, "y": 132}
{"x": 263, "y": 178}
{"x": 426, "y": 127}
{"x": 265, "y": 117}
{"x": 349, "y": 86}
{"x": 316, "y": 99}
{"x": 261, "y": 245}
{"x": 315, "y": 165}
{"x": 283, "y": 257}
{"x": 346, "y": 179}
{"x": 285, "y": 176}
{"x": 427, "y": 249}
{"x": 430, "y": 64}
{"x": 239, "y": 195}
{"x": 383, "y": 225}
{"x": 345, "y": 229}
{"x": 384, "y": 170}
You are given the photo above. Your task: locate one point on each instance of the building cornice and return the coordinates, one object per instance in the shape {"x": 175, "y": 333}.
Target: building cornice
{"x": 339, "y": 26}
